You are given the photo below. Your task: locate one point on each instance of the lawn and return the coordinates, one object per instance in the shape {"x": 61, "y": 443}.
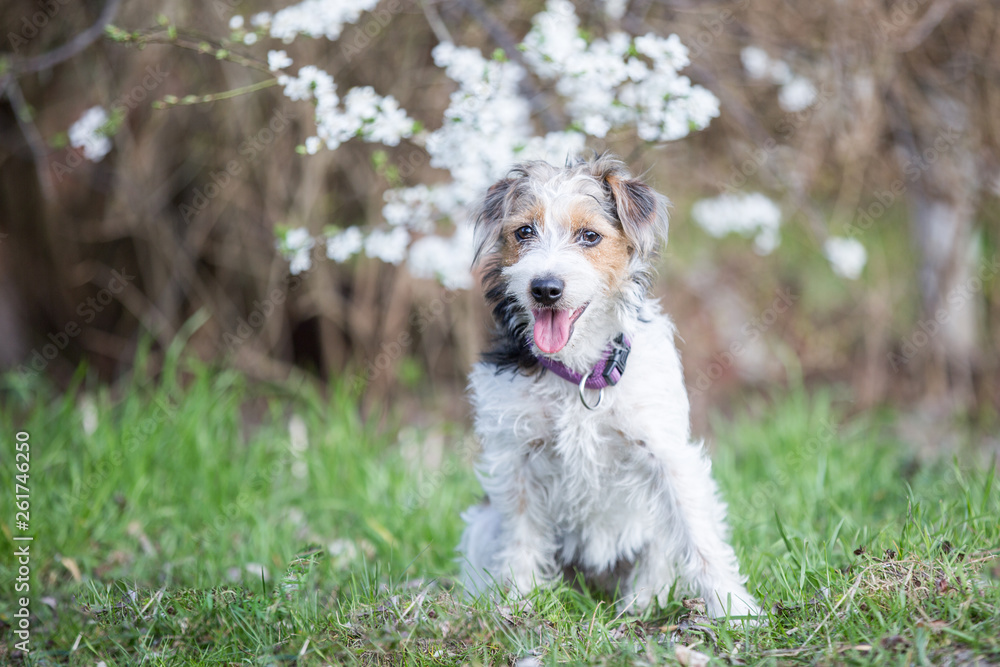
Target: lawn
{"x": 200, "y": 519}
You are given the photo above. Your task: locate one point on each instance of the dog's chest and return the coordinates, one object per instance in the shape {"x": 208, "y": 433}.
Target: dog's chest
{"x": 589, "y": 474}
{"x": 601, "y": 481}
{"x": 595, "y": 456}
{"x": 545, "y": 422}
{"x": 589, "y": 461}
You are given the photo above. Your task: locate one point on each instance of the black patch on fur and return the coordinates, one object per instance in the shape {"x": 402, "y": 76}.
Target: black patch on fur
{"x": 641, "y": 197}
{"x": 510, "y": 350}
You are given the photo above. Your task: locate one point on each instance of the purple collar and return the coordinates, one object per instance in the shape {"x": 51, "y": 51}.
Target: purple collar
{"x": 605, "y": 373}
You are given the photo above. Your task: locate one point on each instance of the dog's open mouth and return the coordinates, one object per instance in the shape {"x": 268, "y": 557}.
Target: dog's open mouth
{"x": 554, "y": 327}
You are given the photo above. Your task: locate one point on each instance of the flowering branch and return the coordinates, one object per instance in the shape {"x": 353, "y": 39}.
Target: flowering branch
{"x": 592, "y": 87}
{"x": 172, "y": 100}
{"x": 185, "y": 40}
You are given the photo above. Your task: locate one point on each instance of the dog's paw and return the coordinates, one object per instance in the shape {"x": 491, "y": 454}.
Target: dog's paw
{"x": 738, "y": 608}
{"x": 634, "y": 602}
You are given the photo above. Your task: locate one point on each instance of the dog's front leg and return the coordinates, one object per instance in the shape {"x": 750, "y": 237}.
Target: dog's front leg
{"x": 527, "y": 550}
{"x": 693, "y": 542}
{"x": 508, "y": 540}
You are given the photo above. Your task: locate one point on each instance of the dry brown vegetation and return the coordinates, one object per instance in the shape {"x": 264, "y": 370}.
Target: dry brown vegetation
{"x": 894, "y": 78}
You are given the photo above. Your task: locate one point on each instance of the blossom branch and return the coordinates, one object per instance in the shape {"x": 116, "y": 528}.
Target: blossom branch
{"x": 510, "y": 46}
{"x": 172, "y": 101}
{"x": 191, "y": 41}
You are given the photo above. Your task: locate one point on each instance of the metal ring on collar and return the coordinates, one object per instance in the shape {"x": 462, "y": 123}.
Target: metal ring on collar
{"x": 583, "y": 399}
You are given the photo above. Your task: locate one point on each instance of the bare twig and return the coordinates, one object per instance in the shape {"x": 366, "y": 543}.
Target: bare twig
{"x": 171, "y": 101}
{"x": 925, "y": 26}
{"x": 434, "y": 20}
{"x": 52, "y": 58}
{"x": 635, "y": 18}
{"x": 32, "y": 136}
{"x": 194, "y": 42}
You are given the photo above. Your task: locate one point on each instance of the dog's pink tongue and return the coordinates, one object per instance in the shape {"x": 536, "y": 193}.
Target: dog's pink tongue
{"x": 551, "y": 330}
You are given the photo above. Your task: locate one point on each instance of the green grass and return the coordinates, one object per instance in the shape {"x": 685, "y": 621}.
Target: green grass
{"x": 151, "y": 532}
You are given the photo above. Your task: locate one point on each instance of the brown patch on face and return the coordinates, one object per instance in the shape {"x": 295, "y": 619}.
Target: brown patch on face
{"x": 510, "y": 249}
{"x": 611, "y": 255}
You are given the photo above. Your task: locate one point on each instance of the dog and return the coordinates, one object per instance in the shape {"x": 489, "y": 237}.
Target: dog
{"x": 587, "y": 461}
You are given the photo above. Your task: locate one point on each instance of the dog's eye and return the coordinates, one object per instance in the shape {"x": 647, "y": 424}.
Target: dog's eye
{"x": 524, "y": 233}
{"x": 588, "y": 237}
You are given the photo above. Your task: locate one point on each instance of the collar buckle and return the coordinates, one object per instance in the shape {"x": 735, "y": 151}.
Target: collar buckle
{"x": 617, "y": 360}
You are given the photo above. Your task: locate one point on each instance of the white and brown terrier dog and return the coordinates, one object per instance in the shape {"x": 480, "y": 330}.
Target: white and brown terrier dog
{"x": 587, "y": 462}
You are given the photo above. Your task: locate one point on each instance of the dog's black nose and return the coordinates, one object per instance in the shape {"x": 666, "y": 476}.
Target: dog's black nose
{"x": 546, "y": 291}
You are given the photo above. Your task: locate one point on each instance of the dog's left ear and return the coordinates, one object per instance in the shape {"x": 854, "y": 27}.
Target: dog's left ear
{"x": 493, "y": 211}
{"x": 641, "y": 210}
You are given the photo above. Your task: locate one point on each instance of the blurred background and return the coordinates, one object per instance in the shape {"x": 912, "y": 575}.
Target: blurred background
{"x": 870, "y": 120}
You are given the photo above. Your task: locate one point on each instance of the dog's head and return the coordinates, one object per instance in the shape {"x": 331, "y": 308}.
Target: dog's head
{"x": 568, "y": 252}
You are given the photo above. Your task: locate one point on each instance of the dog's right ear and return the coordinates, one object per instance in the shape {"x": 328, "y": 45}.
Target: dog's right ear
{"x": 640, "y": 209}
{"x": 489, "y": 223}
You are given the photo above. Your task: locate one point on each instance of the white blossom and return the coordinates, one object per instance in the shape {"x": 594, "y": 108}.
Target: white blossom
{"x": 277, "y": 60}
{"x": 605, "y": 84}
{"x": 755, "y": 61}
{"x": 797, "y": 94}
{"x": 554, "y": 147}
{"x": 847, "y": 257}
{"x": 365, "y": 113}
{"x": 236, "y": 22}
{"x": 412, "y": 207}
{"x": 300, "y": 262}
{"x": 344, "y": 245}
{"x": 317, "y": 18}
{"x": 389, "y": 124}
{"x": 85, "y": 134}
{"x": 767, "y": 239}
{"x": 606, "y": 87}
{"x": 665, "y": 52}
{"x": 484, "y": 124}
{"x": 759, "y": 65}
{"x": 554, "y": 40}
{"x": 250, "y": 38}
{"x": 701, "y": 107}
{"x": 615, "y": 9}
{"x": 636, "y": 70}
{"x": 388, "y": 245}
{"x": 361, "y": 102}
{"x": 749, "y": 214}
{"x": 596, "y": 125}
{"x": 312, "y": 145}
{"x": 447, "y": 260}
{"x": 310, "y": 82}
{"x": 487, "y": 128}
{"x": 296, "y": 247}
